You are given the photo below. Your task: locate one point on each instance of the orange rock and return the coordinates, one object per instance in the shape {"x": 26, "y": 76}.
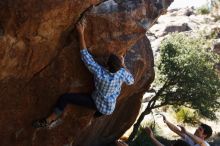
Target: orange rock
{"x": 39, "y": 60}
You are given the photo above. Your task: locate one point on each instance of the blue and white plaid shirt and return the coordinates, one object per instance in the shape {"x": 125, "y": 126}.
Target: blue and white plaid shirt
{"x": 107, "y": 84}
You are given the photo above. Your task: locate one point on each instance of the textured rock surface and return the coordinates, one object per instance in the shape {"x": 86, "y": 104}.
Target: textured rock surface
{"x": 184, "y": 20}
{"x": 216, "y": 49}
{"x": 39, "y": 60}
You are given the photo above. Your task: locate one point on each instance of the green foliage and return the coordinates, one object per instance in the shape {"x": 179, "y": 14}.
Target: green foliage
{"x": 186, "y": 74}
{"x": 216, "y": 18}
{"x": 210, "y": 34}
{"x": 214, "y": 33}
{"x": 203, "y": 10}
{"x": 186, "y": 115}
{"x": 152, "y": 125}
{"x": 141, "y": 138}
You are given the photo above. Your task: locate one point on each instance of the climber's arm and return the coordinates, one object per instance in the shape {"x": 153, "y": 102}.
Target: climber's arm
{"x": 85, "y": 55}
{"x": 90, "y": 63}
{"x": 80, "y": 28}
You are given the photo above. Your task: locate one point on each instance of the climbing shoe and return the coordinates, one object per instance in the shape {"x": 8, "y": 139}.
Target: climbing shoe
{"x": 55, "y": 123}
{"x": 40, "y": 123}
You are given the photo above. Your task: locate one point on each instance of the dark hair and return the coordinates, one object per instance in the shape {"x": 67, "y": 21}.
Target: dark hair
{"x": 180, "y": 142}
{"x": 114, "y": 63}
{"x": 207, "y": 130}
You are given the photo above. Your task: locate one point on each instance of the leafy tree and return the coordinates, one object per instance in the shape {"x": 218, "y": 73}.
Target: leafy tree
{"x": 203, "y": 10}
{"x": 185, "y": 77}
{"x": 141, "y": 139}
{"x": 186, "y": 115}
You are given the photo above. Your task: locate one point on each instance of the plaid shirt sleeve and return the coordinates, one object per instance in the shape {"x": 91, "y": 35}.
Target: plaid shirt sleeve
{"x": 90, "y": 63}
{"x": 128, "y": 77}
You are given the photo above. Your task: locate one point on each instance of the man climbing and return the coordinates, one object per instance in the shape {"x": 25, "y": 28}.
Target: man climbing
{"x": 108, "y": 82}
{"x": 202, "y": 133}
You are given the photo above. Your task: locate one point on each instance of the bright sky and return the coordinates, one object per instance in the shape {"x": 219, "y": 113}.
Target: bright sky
{"x": 189, "y": 3}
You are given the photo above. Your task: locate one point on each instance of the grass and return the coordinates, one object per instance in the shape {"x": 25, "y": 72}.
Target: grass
{"x": 204, "y": 10}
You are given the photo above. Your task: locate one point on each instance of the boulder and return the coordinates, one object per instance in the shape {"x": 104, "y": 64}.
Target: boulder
{"x": 216, "y": 48}
{"x": 176, "y": 28}
{"x": 189, "y": 11}
{"x": 40, "y": 60}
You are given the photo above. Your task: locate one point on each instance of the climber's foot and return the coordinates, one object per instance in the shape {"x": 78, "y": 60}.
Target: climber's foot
{"x": 42, "y": 123}
{"x": 55, "y": 123}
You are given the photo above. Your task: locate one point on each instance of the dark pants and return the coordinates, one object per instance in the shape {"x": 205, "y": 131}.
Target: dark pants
{"x": 80, "y": 99}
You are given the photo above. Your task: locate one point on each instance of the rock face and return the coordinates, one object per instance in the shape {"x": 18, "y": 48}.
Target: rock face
{"x": 40, "y": 60}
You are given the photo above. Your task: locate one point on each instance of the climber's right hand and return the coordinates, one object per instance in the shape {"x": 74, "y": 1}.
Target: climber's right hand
{"x": 80, "y": 27}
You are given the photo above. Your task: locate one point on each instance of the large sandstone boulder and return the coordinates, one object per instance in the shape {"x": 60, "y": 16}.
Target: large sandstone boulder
{"x": 40, "y": 60}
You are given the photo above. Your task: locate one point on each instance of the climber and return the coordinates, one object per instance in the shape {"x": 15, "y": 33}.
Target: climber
{"x": 108, "y": 82}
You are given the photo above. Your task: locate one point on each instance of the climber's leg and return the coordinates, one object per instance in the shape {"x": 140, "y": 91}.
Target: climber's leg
{"x": 70, "y": 98}
{"x": 97, "y": 114}
{"x": 81, "y": 99}
{"x": 65, "y": 99}
{"x": 74, "y": 98}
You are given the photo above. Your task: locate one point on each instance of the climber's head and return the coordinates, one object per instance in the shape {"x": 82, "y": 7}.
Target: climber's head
{"x": 114, "y": 63}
